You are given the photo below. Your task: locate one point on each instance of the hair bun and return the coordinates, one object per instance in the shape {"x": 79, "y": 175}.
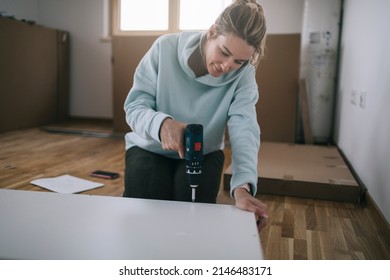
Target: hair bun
{"x": 245, "y": 2}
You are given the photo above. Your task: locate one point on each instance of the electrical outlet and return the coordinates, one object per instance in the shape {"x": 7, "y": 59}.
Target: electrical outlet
{"x": 362, "y": 99}
{"x": 354, "y": 96}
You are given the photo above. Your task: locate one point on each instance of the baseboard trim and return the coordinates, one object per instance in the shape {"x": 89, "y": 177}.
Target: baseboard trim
{"x": 366, "y": 201}
{"x": 378, "y": 218}
{"x": 363, "y": 188}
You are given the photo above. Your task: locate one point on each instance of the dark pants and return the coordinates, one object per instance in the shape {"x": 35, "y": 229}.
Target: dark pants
{"x": 149, "y": 175}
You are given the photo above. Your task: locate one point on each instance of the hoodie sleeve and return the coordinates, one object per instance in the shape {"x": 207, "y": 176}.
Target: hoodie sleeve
{"x": 140, "y": 104}
{"x": 244, "y": 133}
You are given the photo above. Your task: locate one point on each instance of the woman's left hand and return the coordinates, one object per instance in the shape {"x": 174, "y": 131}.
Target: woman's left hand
{"x": 246, "y": 201}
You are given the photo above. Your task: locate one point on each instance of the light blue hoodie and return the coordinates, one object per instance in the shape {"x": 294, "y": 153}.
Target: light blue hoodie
{"x": 165, "y": 86}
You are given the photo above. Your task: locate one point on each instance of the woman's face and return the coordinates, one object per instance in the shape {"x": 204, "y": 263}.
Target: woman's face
{"x": 225, "y": 53}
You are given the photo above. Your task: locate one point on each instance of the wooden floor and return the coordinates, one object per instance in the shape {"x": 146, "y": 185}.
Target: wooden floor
{"x": 297, "y": 228}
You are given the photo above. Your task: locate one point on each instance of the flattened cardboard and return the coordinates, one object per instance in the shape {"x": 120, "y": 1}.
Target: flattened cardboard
{"x": 127, "y": 53}
{"x": 309, "y": 171}
{"x": 277, "y": 77}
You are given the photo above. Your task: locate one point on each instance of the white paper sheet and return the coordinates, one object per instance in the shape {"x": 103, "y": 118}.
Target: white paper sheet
{"x": 66, "y": 184}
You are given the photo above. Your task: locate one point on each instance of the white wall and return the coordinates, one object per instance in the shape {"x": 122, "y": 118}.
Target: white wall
{"x": 21, "y": 9}
{"x": 364, "y": 133}
{"x": 283, "y": 16}
{"x": 90, "y": 80}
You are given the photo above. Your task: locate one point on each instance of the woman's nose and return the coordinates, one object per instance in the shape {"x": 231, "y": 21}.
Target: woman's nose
{"x": 225, "y": 67}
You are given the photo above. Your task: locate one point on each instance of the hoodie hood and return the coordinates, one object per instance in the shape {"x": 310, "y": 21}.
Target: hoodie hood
{"x": 187, "y": 43}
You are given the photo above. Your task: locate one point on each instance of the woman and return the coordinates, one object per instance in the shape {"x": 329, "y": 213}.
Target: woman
{"x": 206, "y": 78}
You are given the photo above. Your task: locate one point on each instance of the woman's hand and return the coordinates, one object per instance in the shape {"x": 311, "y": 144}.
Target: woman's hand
{"x": 246, "y": 201}
{"x": 172, "y": 136}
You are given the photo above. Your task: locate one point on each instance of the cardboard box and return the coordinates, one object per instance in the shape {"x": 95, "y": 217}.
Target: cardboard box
{"x": 308, "y": 171}
{"x": 34, "y": 75}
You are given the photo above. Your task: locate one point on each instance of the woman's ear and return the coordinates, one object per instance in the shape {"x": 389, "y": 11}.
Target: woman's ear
{"x": 212, "y": 32}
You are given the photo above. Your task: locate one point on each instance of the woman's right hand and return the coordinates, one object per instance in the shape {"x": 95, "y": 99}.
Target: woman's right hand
{"x": 172, "y": 136}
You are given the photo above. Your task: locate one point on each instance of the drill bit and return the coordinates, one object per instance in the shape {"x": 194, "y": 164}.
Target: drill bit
{"x": 193, "y": 193}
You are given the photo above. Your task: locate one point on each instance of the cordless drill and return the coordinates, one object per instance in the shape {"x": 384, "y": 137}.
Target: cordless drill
{"x": 193, "y": 138}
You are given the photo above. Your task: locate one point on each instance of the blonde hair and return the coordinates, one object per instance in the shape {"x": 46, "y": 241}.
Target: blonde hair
{"x": 245, "y": 19}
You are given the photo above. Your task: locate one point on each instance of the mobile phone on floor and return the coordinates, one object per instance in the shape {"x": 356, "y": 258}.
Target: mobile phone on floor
{"x": 104, "y": 174}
